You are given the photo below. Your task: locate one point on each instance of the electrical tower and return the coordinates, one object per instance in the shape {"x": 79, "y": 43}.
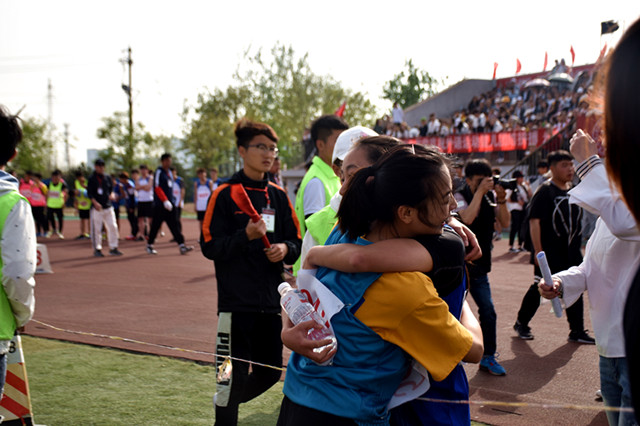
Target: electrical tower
{"x": 66, "y": 146}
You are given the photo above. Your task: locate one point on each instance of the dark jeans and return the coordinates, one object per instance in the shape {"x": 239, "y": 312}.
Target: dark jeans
{"x": 481, "y": 293}
{"x": 50, "y": 215}
{"x": 3, "y": 372}
{"x": 295, "y": 414}
{"x": 160, "y": 214}
{"x": 516, "y": 227}
{"x": 255, "y": 337}
{"x": 531, "y": 302}
{"x": 40, "y": 219}
{"x": 133, "y": 221}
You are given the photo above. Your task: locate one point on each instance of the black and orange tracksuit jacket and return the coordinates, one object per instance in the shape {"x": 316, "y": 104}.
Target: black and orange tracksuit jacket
{"x": 247, "y": 281}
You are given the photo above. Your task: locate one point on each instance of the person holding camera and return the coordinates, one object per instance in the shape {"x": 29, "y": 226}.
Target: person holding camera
{"x": 555, "y": 228}
{"x": 480, "y": 205}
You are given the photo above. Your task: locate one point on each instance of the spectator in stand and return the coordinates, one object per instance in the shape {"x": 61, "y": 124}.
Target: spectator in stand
{"x": 397, "y": 114}
{"x": 424, "y": 127}
{"x": 433, "y": 127}
{"x": 494, "y": 124}
{"x": 56, "y": 199}
{"x": 100, "y": 191}
{"x": 202, "y": 189}
{"x": 82, "y": 203}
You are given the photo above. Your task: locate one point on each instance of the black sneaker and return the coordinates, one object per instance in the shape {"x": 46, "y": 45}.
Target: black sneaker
{"x": 97, "y": 253}
{"x": 524, "y": 331}
{"x": 581, "y": 337}
{"x": 185, "y": 249}
{"x": 115, "y": 252}
{"x": 151, "y": 250}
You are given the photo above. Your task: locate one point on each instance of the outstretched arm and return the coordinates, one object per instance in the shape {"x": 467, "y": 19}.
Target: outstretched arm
{"x": 398, "y": 254}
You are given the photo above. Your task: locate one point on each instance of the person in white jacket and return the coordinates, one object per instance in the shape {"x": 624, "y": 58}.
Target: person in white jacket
{"x": 18, "y": 258}
{"x": 611, "y": 259}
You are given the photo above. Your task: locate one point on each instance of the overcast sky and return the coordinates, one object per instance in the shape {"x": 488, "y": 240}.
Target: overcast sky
{"x": 182, "y": 48}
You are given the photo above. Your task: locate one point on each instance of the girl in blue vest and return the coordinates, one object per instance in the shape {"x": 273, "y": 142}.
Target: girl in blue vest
{"x": 388, "y": 318}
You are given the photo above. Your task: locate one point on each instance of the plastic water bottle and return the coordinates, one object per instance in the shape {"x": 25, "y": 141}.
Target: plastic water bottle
{"x": 300, "y": 310}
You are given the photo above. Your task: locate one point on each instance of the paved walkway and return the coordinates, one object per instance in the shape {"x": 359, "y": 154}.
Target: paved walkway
{"x": 170, "y": 300}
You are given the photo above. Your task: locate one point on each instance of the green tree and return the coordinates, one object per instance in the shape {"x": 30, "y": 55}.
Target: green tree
{"x": 280, "y": 90}
{"x": 411, "y": 86}
{"x": 35, "y": 152}
{"x": 120, "y": 153}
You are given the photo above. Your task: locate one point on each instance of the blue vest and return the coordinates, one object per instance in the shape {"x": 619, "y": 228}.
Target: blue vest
{"x": 366, "y": 370}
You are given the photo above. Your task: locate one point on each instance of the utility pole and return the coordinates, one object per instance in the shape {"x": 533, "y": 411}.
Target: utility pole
{"x": 66, "y": 146}
{"x": 54, "y": 154}
{"x": 129, "y": 91}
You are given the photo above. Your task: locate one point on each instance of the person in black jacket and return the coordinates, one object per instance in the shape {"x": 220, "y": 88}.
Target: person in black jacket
{"x": 249, "y": 230}
{"x": 164, "y": 205}
{"x": 99, "y": 188}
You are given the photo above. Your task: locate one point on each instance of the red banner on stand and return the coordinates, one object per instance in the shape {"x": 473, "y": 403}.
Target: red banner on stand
{"x": 485, "y": 142}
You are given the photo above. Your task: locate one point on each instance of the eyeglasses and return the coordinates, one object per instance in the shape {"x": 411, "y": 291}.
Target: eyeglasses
{"x": 264, "y": 148}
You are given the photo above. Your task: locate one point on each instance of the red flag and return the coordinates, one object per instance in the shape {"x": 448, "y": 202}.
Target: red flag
{"x": 340, "y": 111}
{"x": 518, "y": 66}
{"x": 546, "y": 59}
{"x": 495, "y": 68}
{"x": 602, "y": 53}
{"x": 573, "y": 56}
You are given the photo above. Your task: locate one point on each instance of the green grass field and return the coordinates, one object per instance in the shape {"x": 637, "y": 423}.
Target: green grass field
{"x": 74, "y": 384}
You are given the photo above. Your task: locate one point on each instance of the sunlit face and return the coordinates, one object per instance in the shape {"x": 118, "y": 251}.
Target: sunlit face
{"x": 258, "y": 155}
{"x": 355, "y": 160}
{"x": 438, "y": 209}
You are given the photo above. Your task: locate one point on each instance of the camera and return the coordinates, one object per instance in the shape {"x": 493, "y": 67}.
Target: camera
{"x": 505, "y": 183}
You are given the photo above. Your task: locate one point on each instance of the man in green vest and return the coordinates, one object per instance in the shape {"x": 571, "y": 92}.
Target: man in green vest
{"x": 83, "y": 204}
{"x": 56, "y": 197}
{"x": 320, "y": 182}
{"x": 18, "y": 257}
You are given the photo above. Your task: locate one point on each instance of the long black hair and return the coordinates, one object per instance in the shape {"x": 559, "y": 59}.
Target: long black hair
{"x": 408, "y": 175}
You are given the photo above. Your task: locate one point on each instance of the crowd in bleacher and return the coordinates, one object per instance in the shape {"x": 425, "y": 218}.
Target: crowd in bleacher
{"x": 512, "y": 108}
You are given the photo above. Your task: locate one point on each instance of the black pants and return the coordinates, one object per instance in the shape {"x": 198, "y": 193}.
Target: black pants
{"x": 178, "y": 211}
{"x": 249, "y": 336}
{"x": 42, "y": 226}
{"x": 531, "y": 302}
{"x": 160, "y": 214}
{"x": 133, "y": 221}
{"x": 516, "y": 227}
{"x": 294, "y": 414}
{"x": 50, "y": 216}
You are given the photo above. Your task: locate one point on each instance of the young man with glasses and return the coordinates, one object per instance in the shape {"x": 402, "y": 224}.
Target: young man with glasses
{"x": 249, "y": 230}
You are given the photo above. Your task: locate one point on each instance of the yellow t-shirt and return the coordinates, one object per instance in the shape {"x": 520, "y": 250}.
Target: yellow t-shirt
{"x": 418, "y": 321}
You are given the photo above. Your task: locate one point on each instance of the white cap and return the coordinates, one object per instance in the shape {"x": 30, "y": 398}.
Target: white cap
{"x": 346, "y": 140}
{"x": 283, "y": 288}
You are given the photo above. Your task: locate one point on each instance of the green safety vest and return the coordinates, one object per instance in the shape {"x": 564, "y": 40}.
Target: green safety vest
{"x": 55, "y": 200}
{"x": 321, "y": 170}
{"x": 7, "y": 320}
{"x": 319, "y": 226}
{"x": 83, "y": 202}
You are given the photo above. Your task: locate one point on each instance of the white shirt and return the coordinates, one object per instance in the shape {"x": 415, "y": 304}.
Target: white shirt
{"x": 19, "y": 259}
{"x": 144, "y": 195}
{"x": 397, "y": 114}
{"x": 433, "y": 127}
{"x": 314, "y": 197}
{"x": 611, "y": 260}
